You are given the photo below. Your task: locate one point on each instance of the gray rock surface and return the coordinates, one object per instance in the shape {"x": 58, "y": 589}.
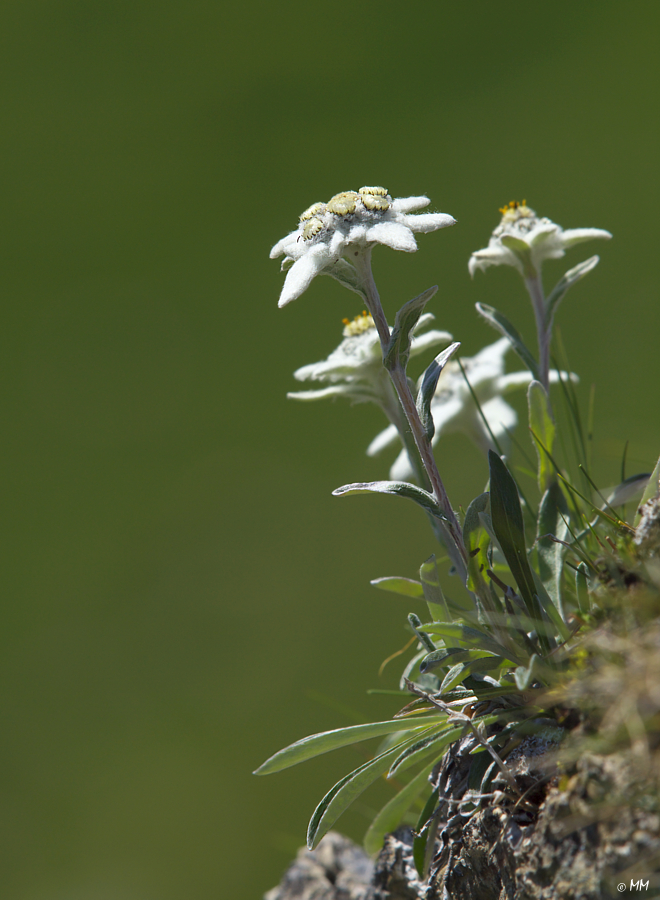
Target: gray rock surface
{"x": 337, "y": 870}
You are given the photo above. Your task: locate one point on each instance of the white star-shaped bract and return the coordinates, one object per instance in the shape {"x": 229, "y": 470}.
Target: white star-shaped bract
{"x": 524, "y": 240}
{"x": 352, "y": 219}
{"x": 355, "y": 369}
{"x": 453, "y": 408}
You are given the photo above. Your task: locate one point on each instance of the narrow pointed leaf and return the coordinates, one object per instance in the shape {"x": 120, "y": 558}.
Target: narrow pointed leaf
{"x": 582, "y": 588}
{"x": 462, "y": 670}
{"x": 447, "y": 656}
{"x": 390, "y": 816}
{"x": 398, "y": 349}
{"x": 429, "y": 384}
{"x": 425, "y": 836}
{"x": 565, "y": 282}
{"x": 507, "y": 519}
{"x": 316, "y": 744}
{"x": 401, "y": 488}
{"x": 501, "y": 323}
{"x": 475, "y": 639}
{"x": 416, "y": 625}
{"x": 477, "y": 541}
{"x": 433, "y": 742}
{"x": 535, "y": 671}
{"x": 407, "y": 672}
{"x": 549, "y": 613}
{"x": 407, "y": 587}
{"x": 340, "y": 797}
{"x": 553, "y": 517}
{"x": 435, "y": 599}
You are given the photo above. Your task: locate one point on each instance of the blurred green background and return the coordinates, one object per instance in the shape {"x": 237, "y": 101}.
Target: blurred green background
{"x": 182, "y": 595}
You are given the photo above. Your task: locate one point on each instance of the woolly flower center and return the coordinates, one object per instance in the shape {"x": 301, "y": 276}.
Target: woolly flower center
{"x": 359, "y": 325}
{"x": 512, "y": 211}
{"x": 517, "y": 219}
{"x": 345, "y": 205}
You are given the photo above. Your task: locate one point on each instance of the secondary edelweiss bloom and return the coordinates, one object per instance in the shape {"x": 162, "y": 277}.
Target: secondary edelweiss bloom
{"x": 524, "y": 241}
{"x": 350, "y": 219}
{"x": 355, "y": 368}
{"x": 453, "y": 408}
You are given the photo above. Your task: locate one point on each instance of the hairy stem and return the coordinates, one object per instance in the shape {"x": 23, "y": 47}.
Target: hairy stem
{"x": 454, "y": 545}
{"x": 543, "y": 328}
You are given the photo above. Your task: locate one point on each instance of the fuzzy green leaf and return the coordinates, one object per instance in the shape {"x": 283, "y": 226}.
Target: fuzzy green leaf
{"x": 416, "y": 624}
{"x": 474, "y": 638}
{"x": 550, "y": 614}
{"x": 501, "y": 323}
{"x": 392, "y": 813}
{"x": 526, "y": 675}
{"x": 398, "y": 349}
{"x": 424, "y": 835}
{"x": 462, "y": 670}
{"x": 477, "y": 541}
{"x": 553, "y": 517}
{"x": 340, "y": 797}
{"x": 449, "y": 656}
{"x": 582, "y": 588}
{"x": 316, "y": 744}
{"x": 428, "y": 386}
{"x": 401, "y": 488}
{"x": 507, "y": 519}
{"x": 407, "y": 587}
{"x": 567, "y": 280}
{"x": 435, "y": 599}
{"x": 433, "y": 742}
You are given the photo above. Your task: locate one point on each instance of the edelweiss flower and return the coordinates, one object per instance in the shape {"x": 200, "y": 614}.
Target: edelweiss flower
{"x": 453, "y": 408}
{"x": 355, "y": 367}
{"x": 350, "y": 219}
{"x": 524, "y": 241}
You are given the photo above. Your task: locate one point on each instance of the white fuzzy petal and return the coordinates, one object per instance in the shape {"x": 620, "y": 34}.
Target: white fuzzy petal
{"x": 554, "y": 376}
{"x": 424, "y": 320}
{"x": 577, "y": 235}
{"x": 496, "y": 255}
{"x": 429, "y": 222}
{"x": 323, "y": 371}
{"x": 543, "y": 233}
{"x": 492, "y": 356}
{"x": 392, "y": 234}
{"x": 282, "y": 246}
{"x": 409, "y": 204}
{"x": 302, "y": 273}
{"x": 382, "y": 440}
{"x": 444, "y": 415}
{"x": 429, "y": 339}
{"x": 337, "y": 242}
{"x": 333, "y": 391}
{"x": 507, "y": 383}
{"x": 500, "y": 416}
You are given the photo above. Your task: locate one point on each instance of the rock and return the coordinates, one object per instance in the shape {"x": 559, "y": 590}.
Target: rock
{"x": 337, "y": 870}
